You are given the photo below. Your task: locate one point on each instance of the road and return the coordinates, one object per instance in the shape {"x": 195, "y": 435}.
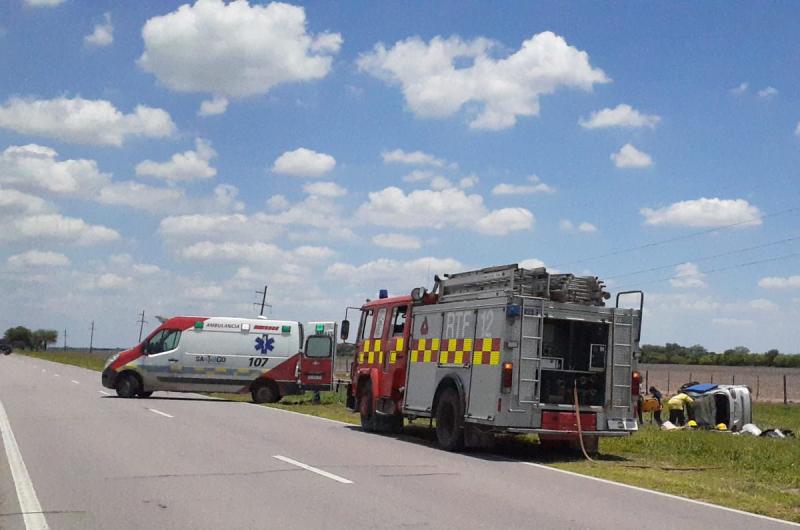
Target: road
{"x": 181, "y": 461}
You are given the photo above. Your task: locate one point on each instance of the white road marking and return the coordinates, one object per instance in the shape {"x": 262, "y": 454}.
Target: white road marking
{"x": 56, "y": 375}
{"x": 162, "y": 413}
{"x": 296, "y": 413}
{"x": 77, "y": 383}
{"x": 318, "y": 471}
{"x": 43, "y": 370}
{"x": 104, "y": 392}
{"x": 28, "y": 502}
{"x": 668, "y": 495}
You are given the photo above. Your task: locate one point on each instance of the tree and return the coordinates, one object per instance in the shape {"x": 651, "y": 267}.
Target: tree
{"x": 42, "y": 337}
{"x": 771, "y": 355}
{"x": 19, "y": 337}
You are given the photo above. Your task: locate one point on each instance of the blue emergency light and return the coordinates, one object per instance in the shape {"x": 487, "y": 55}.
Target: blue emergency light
{"x": 383, "y": 293}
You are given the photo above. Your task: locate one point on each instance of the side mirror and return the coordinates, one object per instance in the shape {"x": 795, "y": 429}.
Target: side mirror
{"x": 345, "y": 329}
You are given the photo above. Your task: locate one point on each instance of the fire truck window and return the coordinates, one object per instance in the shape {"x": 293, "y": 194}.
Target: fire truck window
{"x": 399, "y": 320}
{"x": 366, "y": 323}
{"x": 379, "y": 321}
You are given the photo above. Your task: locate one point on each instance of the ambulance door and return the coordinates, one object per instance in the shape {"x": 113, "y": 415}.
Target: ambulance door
{"x": 316, "y": 362}
{"x": 163, "y": 364}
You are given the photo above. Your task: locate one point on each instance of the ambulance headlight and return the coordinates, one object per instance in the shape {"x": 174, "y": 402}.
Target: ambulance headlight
{"x": 110, "y": 360}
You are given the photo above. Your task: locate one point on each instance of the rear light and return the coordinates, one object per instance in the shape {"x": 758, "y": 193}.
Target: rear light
{"x": 508, "y": 370}
{"x": 636, "y": 381}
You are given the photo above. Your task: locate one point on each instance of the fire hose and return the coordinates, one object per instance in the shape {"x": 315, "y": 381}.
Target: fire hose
{"x": 578, "y": 420}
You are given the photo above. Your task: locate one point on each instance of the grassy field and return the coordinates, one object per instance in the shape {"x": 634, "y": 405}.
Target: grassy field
{"x": 753, "y": 474}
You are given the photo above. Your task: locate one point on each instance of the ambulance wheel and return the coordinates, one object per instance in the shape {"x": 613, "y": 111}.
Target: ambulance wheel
{"x": 365, "y": 408}
{"x": 266, "y": 392}
{"x": 128, "y": 386}
{"x": 449, "y": 421}
{"x": 145, "y": 394}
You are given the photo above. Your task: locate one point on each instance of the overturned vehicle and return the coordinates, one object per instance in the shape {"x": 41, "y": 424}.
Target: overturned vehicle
{"x": 715, "y": 404}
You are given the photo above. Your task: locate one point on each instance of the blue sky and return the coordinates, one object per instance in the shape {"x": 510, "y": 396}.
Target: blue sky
{"x": 175, "y": 158}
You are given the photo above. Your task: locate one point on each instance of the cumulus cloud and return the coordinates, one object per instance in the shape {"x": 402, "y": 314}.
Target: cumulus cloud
{"x": 448, "y": 207}
{"x": 43, "y": 3}
{"x": 213, "y": 107}
{"x": 278, "y": 203}
{"x": 688, "y": 275}
{"x": 204, "y": 292}
{"x": 36, "y": 167}
{"x": 435, "y": 85}
{"x": 38, "y": 258}
{"x": 767, "y": 92}
{"x": 780, "y": 282}
{"x": 257, "y": 252}
{"x": 391, "y": 271}
{"x": 732, "y": 322}
{"x": 13, "y": 201}
{"x": 217, "y": 226}
{"x": 103, "y": 33}
{"x": 397, "y": 241}
{"x": 110, "y": 281}
{"x": 740, "y": 89}
{"x": 414, "y": 158}
{"x": 186, "y": 166}
{"x": 568, "y": 226}
{"x": 141, "y": 196}
{"x": 56, "y": 227}
{"x": 704, "y": 212}
{"x": 536, "y": 186}
{"x": 255, "y": 47}
{"x": 303, "y": 162}
{"x": 628, "y": 157}
{"x": 324, "y": 189}
{"x": 83, "y": 121}
{"x": 622, "y": 115}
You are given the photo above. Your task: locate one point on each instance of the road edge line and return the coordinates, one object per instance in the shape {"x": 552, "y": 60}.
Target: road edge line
{"x": 661, "y": 493}
{"x": 26, "y": 494}
{"x": 313, "y": 469}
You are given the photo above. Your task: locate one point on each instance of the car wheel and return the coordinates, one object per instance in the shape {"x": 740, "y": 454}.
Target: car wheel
{"x": 128, "y": 386}
{"x": 449, "y": 421}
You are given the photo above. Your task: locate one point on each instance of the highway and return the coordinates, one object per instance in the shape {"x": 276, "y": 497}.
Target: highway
{"x": 91, "y": 460}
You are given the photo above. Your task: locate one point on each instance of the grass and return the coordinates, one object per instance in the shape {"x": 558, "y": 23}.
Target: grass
{"x": 66, "y": 357}
{"x": 757, "y": 475}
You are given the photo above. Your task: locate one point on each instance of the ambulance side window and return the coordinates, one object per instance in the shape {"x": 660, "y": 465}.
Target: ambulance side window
{"x": 366, "y": 323}
{"x": 399, "y": 320}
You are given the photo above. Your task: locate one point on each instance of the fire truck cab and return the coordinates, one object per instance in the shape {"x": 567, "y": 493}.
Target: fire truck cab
{"x": 499, "y": 350}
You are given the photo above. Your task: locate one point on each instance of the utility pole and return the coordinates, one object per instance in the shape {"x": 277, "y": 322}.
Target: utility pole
{"x": 141, "y": 322}
{"x": 91, "y": 338}
{"x": 263, "y": 300}
{"x": 65, "y": 339}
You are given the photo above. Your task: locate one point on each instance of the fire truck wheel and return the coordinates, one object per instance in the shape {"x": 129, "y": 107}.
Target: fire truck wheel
{"x": 128, "y": 386}
{"x": 265, "y": 392}
{"x": 365, "y": 408}
{"x": 449, "y": 421}
{"x": 394, "y": 424}
{"x": 145, "y": 394}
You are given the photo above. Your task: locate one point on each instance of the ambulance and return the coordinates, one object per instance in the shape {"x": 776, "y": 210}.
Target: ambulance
{"x": 267, "y": 358}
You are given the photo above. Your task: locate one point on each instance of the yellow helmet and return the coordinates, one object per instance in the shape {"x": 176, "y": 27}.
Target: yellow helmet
{"x": 722, "y": 427}
{"x": 691, "y": 423}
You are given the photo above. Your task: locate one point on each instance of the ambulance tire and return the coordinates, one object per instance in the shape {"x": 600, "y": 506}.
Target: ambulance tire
{"x": 449, "y": 421}
{"x": 265, "y": 392}
{"x": 128, "y": 386}
{"x": 365, "y": 408}
{"x": 145, "y": 394}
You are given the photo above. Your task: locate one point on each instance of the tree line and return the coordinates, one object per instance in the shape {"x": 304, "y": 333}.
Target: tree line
{"x": 22, "y": 338}
{"x": 673, "y": 353}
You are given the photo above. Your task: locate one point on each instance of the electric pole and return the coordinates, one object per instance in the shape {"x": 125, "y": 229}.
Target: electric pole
{"x": 91, "y": 338}
{"x": 141, "y": 322}
{"x": 65, "y": 339}
{"x": 263, "y": 300}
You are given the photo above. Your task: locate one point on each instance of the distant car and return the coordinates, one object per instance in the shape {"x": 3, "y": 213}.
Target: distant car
{"x": 5, "y": 348}
{"x": 715, "y": 404}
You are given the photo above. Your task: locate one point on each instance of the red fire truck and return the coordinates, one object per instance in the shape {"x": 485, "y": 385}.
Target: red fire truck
{"x": 499, "y": 350}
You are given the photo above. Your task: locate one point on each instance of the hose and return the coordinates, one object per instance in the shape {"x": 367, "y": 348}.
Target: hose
{"x": 578, "y": 420}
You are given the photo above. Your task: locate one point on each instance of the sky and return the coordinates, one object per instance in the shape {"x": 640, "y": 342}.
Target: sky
{"x": 175, "y": 158}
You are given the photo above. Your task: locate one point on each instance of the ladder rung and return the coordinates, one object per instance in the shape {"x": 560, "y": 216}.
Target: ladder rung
{"x": 534, "y": 337}
{"x": 622, "y": 324}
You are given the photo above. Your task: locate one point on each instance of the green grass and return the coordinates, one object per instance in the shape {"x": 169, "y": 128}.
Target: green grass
{"x": 758, "y": 475}
{"x": 66, "y": 357}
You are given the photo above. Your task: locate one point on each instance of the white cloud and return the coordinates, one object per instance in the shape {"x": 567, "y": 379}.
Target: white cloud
{"x": 468, "y": 182}
{"x": 704, "y": 213}
{"x": 732, "y": 322}
{"x": 391, "y": 271}
{"x": 141, "y": 196}
{"x": 103, "y": 33}
{"x": 38, "y": 258}
{"x": 568, "y": 226}
{"x": 218, "y": 226}
{"x": 688, "y": 275}
{"x": 532, "y": 263}
{"x": 630, "y": 157}
{"x": 111, "y": 281}
{"x": 537, "y": 186}
{"x": 324, "y": 189}
{"x": 145, "y": 268}
{"x": 231, "y": 251}
{"x": 414, "y": 158}
{"x": 741, "y": 89}
{"x": 35, "y": 167}
{"x": 43, "y": 3}
{"x": 254, "y": 48}
{"x": 419, "y": 175}
{"x": 57, "y": 227}
{"x": 768, "y": 92}
{"x": 212, "y": 107}
{"x": 278, "y": 203}
{"x": 797, "y": 129}
{"x": 620, "y": 116}
{"x": 506, "y": 88}
{"x": 304, "y": 162}
{"x": 587, "y": 227}
{"x": 397, "y": 241}
{"x": 204, "y": 292}
{"x": 308, "y": 252}
{"x": 186, "y": 166}
{"x": 448, "y": 207}
{"x": 762, "y": 304}
{"x": 83, "y": 121}
{"x": 20, "y": 202}
{"x": 780, "y": 282}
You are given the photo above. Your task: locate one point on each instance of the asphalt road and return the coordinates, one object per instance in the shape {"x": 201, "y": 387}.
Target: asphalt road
{"x": 180, "y": 461}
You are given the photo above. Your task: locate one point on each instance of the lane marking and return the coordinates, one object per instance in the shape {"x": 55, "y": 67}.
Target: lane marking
{"x": 162, "y": 413}
{"x": 56, "y": 375}
{"x": 104, "y": 392}
{"x": 654, "y": 492}
{"x": 43, "y": 370}
{"x": 318, "y": 471}
{"x": 28, "y": 502}
{"x": 298, "y": 413}
{"x": 77, "y": 383}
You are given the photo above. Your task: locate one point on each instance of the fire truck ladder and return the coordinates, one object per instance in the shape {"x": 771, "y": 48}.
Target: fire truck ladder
{"x": 621, "y": 357}
{"x": 530, "y": 350}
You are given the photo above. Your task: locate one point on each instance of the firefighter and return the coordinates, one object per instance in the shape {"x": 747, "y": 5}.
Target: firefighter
{"x": 655, "y": 407}
{"x": 675, "y": 405}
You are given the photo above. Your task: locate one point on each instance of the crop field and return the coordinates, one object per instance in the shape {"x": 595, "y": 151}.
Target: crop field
{"x": 765, "y": 382}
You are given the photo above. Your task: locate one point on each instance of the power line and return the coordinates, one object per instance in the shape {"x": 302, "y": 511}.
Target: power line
{"x": 704, "y": 258}
{"x": 677, "y": 238}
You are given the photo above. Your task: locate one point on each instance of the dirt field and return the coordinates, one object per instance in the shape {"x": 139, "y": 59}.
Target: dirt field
{"x": 765, "y": 382}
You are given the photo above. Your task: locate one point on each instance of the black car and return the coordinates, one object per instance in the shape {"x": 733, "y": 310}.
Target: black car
{"x": 5, "y": 348}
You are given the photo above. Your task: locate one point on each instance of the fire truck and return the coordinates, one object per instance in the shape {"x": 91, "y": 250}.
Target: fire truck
{"x": 499, "y": 350}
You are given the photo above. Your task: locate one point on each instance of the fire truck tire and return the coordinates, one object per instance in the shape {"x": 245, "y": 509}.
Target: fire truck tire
{"x": 145, "y": 394}
{"x": 128, "y": 386}
{"x": 392, "y": 424}
{"x": 449, "y": 421}
{"x": 265, "y": 392}
{"x": 365, "y": 408}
